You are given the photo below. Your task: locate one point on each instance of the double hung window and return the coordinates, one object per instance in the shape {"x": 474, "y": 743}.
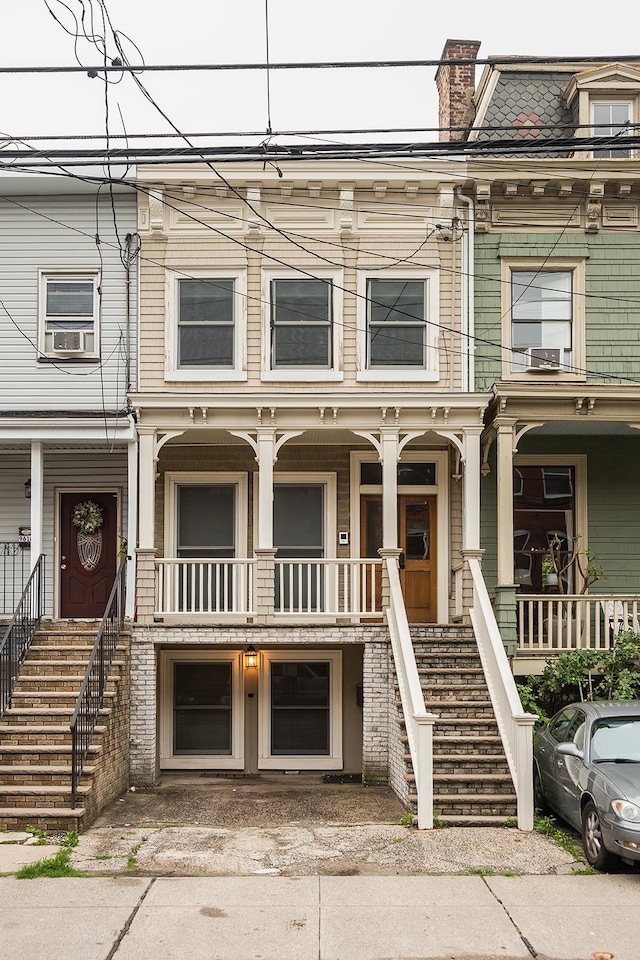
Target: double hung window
{"x": 396, "y": 335}
{"x": 69, "y": 310}
{"x": 610, "y": 119}
{"x": 541, "y": 318}
{"x": 301, "y": 323}
{"x": 205, "y": 325}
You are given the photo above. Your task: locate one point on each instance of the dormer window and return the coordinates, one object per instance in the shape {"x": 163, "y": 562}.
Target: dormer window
{"x": 611, "y": 118}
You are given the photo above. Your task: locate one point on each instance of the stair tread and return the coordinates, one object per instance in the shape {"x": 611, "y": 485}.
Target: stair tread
{"x": 10, "y": 812}
{"x": 53, "y": 789}
{"x": 41, "y": 748}
{"x": 471, "y": 797}
{"x": 476, "y": 820}
{"x": 7, "y": 769}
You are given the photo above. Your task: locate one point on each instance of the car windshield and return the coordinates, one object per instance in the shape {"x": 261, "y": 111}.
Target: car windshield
{"x": 616, "y": 740}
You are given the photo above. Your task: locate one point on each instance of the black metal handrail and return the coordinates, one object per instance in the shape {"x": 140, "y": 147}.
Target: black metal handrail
{"x": 14, "y": 566}
{"x": 91, "y": 696}
{"x": 16, "y": 638}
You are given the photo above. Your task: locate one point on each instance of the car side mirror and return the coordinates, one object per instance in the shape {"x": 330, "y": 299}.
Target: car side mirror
{"x": 569, "y": 749}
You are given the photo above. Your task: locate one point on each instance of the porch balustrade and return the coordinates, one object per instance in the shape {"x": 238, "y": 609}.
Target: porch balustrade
{"x": 553, "y": 623}
{"x": 310, "y": 588}
{"x": 205, "y": 587}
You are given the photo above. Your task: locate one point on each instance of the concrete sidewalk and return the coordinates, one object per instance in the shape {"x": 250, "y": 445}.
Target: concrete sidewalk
{"x": 320, "y": 918}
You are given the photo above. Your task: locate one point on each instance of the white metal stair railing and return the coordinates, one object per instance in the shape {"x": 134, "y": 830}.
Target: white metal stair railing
{"x": 516, "y": 726}
{"x": 418, "y": 722}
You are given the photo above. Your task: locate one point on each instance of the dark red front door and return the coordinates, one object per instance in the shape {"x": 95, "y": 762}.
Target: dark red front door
{"x": 87, "y": 572}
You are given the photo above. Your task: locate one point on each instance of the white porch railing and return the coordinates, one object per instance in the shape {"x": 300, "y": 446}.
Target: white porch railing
{"x": 557, "y": 623}
{"x": 516, "y": 726}
{"x": 205, "y": 587}
{"x": 418, "y": 722}
{"x": 328, "y": 588}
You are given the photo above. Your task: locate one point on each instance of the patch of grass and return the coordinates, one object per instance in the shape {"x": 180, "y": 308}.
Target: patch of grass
{"x": 56, "y": 866}
{"x": 548, "y": 827}
{"x": 406, "y": 820}
{"x": 132, "y": 860}
{"x": 510, "y": 823}
{"x": 587, "y": 871}
{"x": 480, "y": 872}
{"x": 438, "y": 822}
{"x": 40, "y": 835}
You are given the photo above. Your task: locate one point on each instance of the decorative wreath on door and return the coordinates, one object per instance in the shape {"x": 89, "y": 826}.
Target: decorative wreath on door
{"x": 87, "y": 517}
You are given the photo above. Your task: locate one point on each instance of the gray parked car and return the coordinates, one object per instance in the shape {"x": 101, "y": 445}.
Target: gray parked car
{"x": 587, "y": 768}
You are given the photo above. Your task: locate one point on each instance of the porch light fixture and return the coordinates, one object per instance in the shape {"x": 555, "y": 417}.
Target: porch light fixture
{"x": 250, "y": 657}
{"x": 27, "y": 489}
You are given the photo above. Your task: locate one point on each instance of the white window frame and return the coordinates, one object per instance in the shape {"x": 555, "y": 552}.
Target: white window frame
{"x": 610, "y": 101}
{"x": 304, "y": 374}
{"x": 45, "y": 336}
{"x": 430, "y": 372}
{"x": 576, "y": 266}
{"x": 266, "y": 760}
{"x": 233, "y": 761}
{"x": 236, "y": 373}
{"x": 330, "y": 483}
{"x": 174, "y": 480}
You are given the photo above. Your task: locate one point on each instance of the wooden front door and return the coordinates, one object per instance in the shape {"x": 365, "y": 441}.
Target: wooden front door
{"x": 416, "y": 539}
{"x": 86, "y": 577}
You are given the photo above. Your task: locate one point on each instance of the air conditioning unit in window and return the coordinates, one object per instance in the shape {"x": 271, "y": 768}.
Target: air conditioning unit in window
{"x": 543, "y": 360}
{"x": 68, "y": 341}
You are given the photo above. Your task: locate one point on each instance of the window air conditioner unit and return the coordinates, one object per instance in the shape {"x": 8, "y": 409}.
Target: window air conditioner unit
{"x": 68, "y": 341}
{"x": 542, "y": 360}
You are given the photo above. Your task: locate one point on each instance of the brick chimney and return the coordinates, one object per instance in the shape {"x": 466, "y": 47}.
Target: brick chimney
{"x": 456, "y": 85}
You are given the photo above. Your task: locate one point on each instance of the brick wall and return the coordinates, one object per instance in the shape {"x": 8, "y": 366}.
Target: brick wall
{"x": 456, "y": 85}
{"x": 147, "y": 641}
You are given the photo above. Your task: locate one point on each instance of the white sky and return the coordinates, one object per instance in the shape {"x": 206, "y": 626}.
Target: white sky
{"x": 212, "y": 31}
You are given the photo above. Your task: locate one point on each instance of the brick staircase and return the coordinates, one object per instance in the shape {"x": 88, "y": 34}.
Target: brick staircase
{"x": 472, "y": 783}
{"x": 35, "y": 739}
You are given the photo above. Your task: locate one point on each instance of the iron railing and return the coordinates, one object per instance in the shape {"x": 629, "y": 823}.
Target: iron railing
{"x": 14, "y": 569}
{"x": 16, "y": 638}
{"x": 91, "y": 696}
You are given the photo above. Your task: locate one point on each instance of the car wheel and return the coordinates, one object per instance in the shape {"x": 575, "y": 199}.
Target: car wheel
{"x": 539, "y": 801}
{"x": 592, "y": 841}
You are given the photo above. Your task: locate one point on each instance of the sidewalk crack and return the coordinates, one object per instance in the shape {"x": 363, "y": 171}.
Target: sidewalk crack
{"x": 529, "y": 946}
{"x": 129, "y": 921}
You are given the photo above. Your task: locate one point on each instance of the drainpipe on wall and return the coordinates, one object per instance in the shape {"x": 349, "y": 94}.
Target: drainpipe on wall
{"x": 468, "y": 295}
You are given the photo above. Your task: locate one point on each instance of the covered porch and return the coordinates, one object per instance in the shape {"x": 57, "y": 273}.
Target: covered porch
{"x": 560, "y": 467}
{"x": 286, "y": 513}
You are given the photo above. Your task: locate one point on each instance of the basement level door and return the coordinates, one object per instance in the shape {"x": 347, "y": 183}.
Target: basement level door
{"x": 416, "y": 539}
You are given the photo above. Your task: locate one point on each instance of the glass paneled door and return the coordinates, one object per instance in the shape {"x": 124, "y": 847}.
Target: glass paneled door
{"x": 206, "y": 529}
{"x": 416, "y": 539}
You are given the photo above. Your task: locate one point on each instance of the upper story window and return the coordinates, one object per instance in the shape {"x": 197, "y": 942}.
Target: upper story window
{"x": 611, "y": 118}
{"x": 302, "y": 333}
{"x": 69, "y": 312}
{"x": 205, "y": 325}
{"x": 543, "y": 319}
{"x": 301, "y": 323}
{"x": 399, "y": 332}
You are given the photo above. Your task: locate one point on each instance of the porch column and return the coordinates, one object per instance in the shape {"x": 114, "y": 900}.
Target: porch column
{"x": 265, "y": 447}
{"x": 132, "y": 515}
{"x": 505, "y": 587}
{"x": 470, "y": 510}
{"x": 37, "y": 499}
{"x": 146, "y": 552}
{"x": 389, "y": 453}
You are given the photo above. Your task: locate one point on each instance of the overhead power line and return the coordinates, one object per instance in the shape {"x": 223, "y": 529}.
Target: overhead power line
{"x": 94, "y": 70}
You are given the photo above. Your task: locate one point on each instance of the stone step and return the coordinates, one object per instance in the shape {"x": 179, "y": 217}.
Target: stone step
{"x": 472, "y": 820}
{"x": 50, "y": 700}
{"x": 63, "y": 667}
{"x": 38, "y": 651}
{"x": 38, "y": 795}
{"x": 465, "y": 805}
{"x": 42, "y": 754}
{"x": 50, "y": 683}
{"x": 462, "y": 763}
{"x": 51, "y": 819}
{"x": 49, "y": 733}
{"x": 31, "y": 774}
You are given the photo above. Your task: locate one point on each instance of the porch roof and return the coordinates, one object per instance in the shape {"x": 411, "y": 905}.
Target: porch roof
{"x": 579, "y": 406}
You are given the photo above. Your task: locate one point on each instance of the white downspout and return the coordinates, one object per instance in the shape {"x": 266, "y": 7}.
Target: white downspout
{"x": 468, "y": 296}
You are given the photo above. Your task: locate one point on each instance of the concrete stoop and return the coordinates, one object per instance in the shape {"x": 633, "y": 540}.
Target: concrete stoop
{"x": 472, "y": 783}
{"x": 35, "y": 737}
